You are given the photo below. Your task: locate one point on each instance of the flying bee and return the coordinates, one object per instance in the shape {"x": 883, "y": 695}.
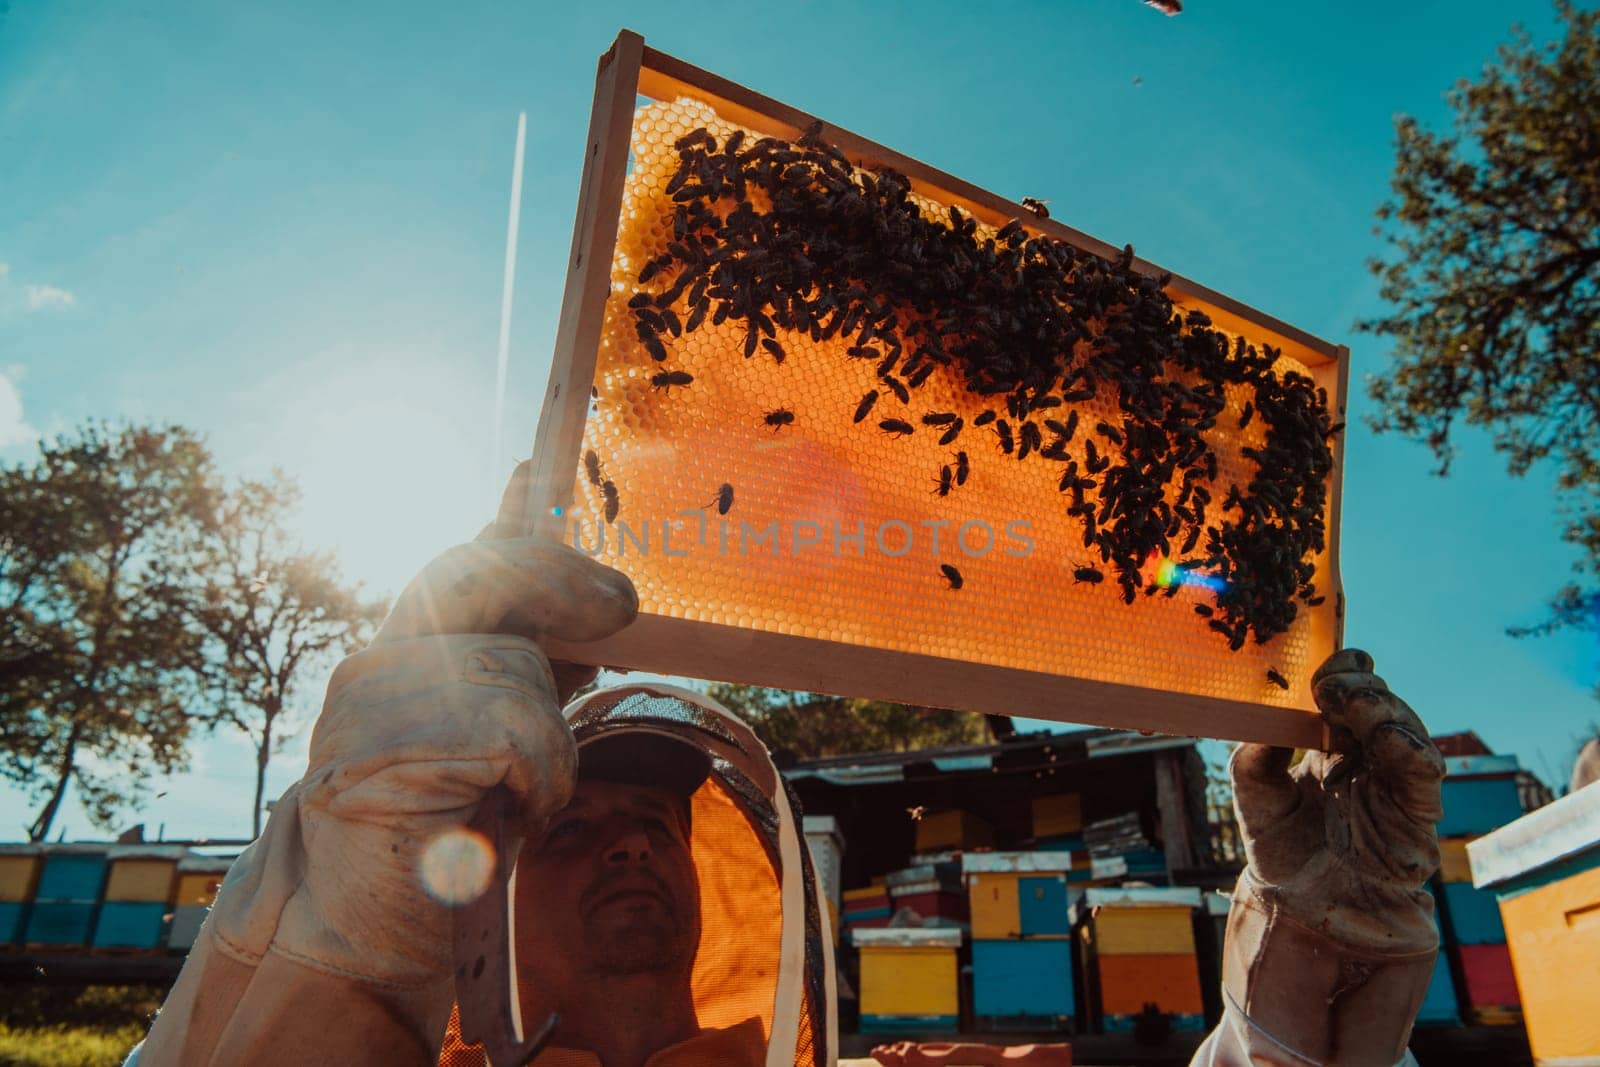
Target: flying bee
{"x": 866, "y": 405}
{"x": 608, "y": 489}
{"x": 668, "y": 378}
{"x": 984, "y": 418}
{"x": 591, "y": 467}
{"x": 896, "y": 388}
{"x": 779, "y": 419}
{"x": 1087, "y": 573}
{"x": 1002, "y": 430}
{"x": 952, "y": 433}
{"x": 1036, "y": 206}
{"x": 1277, "y": 679}
{"x": 944, "y": 481}
{"x": 952, "y": 576}
{"x": 917, "y": 812}
{"x": 896, "y": 427}
{"x": 724, "y": 499}
{"x": 961, "y": 468}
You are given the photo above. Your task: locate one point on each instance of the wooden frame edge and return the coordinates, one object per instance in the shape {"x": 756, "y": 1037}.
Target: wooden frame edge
{"x": 583, "y": 303}
{"x": 808, "y": 664}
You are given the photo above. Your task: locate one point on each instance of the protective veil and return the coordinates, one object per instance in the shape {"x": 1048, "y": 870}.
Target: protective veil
{"x": 764, "y": 953}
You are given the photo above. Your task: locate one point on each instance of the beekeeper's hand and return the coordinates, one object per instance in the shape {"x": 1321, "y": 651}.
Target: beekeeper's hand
{"x": 453, "y": 697}
{"x": 1331, "y": 940}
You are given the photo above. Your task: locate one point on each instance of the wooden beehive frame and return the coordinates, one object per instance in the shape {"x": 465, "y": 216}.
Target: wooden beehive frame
{"x": 705, "y": 650}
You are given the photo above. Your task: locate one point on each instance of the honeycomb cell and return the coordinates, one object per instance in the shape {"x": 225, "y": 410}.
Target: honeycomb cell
{"x": 823, "y": 505}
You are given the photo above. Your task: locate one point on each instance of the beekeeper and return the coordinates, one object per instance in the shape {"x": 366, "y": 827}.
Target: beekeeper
{"x": 665, "y": 904}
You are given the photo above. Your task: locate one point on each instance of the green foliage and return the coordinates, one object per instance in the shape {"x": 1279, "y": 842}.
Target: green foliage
{"x": 73, "y": 1026}
{"x": 272, "y": 615}
{"x": 1494, "y": 281}
{"x": 95, "y": 547}
{"x": 810, "y": 725}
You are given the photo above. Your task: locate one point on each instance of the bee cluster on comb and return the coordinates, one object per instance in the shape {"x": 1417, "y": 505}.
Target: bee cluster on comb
{"x": 782, "y": 239}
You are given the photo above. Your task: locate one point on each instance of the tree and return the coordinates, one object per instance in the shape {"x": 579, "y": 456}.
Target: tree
{"x": 1495, "y": 279}
{"x": 272, "y": 615}
{"x": 98, "y": 540}
{"x": 808, "y": 725}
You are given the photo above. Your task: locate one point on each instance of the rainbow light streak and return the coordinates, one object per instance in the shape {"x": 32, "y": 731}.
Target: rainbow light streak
{"x": 1169, "y": 574}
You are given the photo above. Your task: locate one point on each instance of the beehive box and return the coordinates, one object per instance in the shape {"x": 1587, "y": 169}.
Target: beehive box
{"x": 1545, "y": 869}
{"x": 766, "y": 414}
{"x": 908, "y": 979}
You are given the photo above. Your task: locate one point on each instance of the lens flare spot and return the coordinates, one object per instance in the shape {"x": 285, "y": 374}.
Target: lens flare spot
{"x": 457, "y": 867}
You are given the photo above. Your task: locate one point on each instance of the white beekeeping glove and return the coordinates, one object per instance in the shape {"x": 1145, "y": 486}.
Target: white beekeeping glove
{"x": 1331, "y": 942}
{"x": 324, "y": 944}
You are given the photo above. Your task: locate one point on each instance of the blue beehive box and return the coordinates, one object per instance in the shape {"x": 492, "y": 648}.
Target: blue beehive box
{"x": 72, "y": 876}
{"x": 11, "y": 922}
{"x": 130, "y": 924}
{"x": 1478, "y": 805}
{"x": 1043, "y": 907}
{"x": 60, "y": 922}
{"x": 1474, "y": 915}
{"x": 1439, "y": 1006}
{"x": 1023, "y": 985}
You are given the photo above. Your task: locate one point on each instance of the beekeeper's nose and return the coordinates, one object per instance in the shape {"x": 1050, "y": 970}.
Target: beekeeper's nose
{"x": 628, "y": 847}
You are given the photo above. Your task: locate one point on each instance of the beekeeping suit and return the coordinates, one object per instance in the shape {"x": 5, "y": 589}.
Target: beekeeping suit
{"x": 325, "y": 945}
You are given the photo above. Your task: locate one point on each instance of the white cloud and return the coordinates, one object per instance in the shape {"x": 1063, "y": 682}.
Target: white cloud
{"x": 14, "y": 428}
{"x": 40, "y": 297}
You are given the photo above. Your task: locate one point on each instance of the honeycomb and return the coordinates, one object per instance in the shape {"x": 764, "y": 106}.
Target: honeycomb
{"x": 836, "y": 530}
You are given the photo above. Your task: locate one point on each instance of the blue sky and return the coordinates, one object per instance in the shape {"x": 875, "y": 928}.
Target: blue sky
{"x": 284, "y": 225}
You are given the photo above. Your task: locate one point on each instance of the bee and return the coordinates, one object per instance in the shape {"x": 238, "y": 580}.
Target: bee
{"x": 773, "y": 348}
{"x": 896, "y": 388}
{"x": 779, "y": 419}
{"x": 866, "y": 405}
{"x": 652, "y": 343}
{"x": 939, "y": 418}
{"x": 1014, "y": 226}
{"x": 1036, "y": 206}
{"x": 668, "y": 378}
{"x": 1108, "y": 432}
{"x": 591, "y": 466}
{"x": 1028, "y": 440}
{"x": 920, "y": 375}
{"x": 1316, "y": 601}
{"x": 1002, "y": 430}
{"x": 1077, "y": 395}
{"x": 1277, "y": 679}
{"x": 886, "y": 365}
{"x": 984, "y": 418}
{"x": 1203, "y": 610}
{"x": 1245, "y": 415}
{"x": 952, "y": 433}
{"x": 961, "y": 468}
{"x": 917, "y": 812}
{"x": 1087, "y": 573}
{"x": 952, "y": 576}
{"x": 896, "y": 427}
{"x": 724, "y": 499}
{"x": 1093, "y": 462}
{"x": 608, "y": 489}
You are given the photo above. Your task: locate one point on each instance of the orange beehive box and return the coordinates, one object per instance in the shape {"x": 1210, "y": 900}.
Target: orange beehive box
{"x": 1171, "y": 982}
{"x": 794, "y": 514}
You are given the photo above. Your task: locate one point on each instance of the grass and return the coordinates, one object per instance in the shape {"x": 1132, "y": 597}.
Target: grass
{"x": 73, "y": 1026}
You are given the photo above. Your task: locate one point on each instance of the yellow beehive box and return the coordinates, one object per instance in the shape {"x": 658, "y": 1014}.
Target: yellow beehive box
{"x": 141, "y": 880}
{"x": 1453, "y": 865}
{"x": 953, "y": 830}
{"x": 1144, "y": 931}
{"x": 18, "y": 876}
{"x": 994, "y": 903}
{"x": 908, "y": 972}
{"x": 860, "y": 485}
{"x": 1061, "y": 813}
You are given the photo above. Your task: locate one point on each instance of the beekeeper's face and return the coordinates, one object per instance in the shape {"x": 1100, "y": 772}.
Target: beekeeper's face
{"x": 609, "y": 888}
